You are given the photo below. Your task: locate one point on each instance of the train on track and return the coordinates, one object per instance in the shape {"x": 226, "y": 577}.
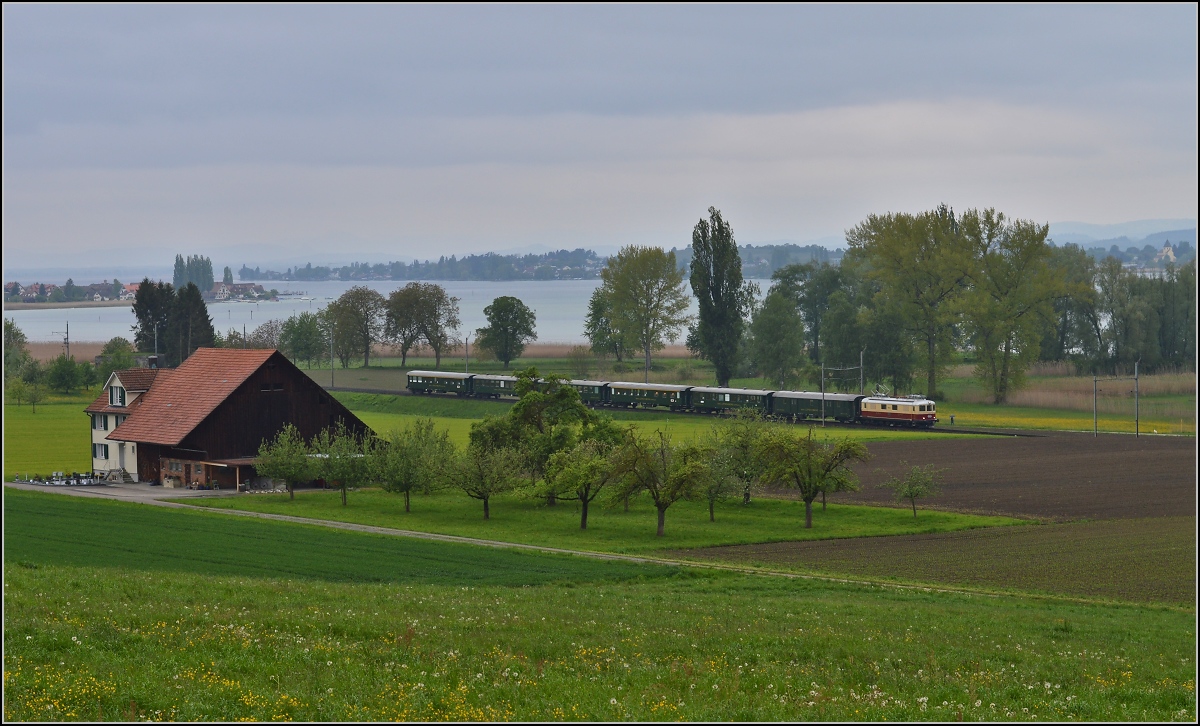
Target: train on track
{"x": 911, "y": 411}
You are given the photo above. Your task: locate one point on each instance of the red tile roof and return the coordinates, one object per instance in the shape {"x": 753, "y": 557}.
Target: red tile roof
{"x": 137, "y": 379}
{"x": 172, "y": 408}
{"x": 134, "y": 379}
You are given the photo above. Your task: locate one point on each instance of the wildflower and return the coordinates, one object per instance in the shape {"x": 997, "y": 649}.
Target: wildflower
{"x": 613, "y": 701}
{"x": 328, "y": 662}
{"x": 978, "y": 704}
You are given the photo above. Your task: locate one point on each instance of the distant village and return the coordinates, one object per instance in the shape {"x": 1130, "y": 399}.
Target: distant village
{"x": 758, "y": 262}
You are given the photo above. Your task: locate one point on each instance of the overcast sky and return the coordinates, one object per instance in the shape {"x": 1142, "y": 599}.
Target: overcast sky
{"x": 367, "y": 132}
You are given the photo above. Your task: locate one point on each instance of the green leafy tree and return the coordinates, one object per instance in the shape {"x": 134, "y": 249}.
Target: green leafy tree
{"x": 716, "y": 281}
{"x": 285, "y": 458}
{"x": 267, "y": 336}
{"x": 665, "y": 471}
{"x": 227, "y": 277}
{"x": 358, "y": 321}
{"x": 547, "y": 415}
{"x": 33, "y": 375}
{"x": 585, "y": 471}
{"x": 810, "y": 467}
{"x": 16, "y": 349}
{"x": 810, "y": 287}
{"x": 510, "y": 327}
{"x": 415, "y": 458}
{"x": 778, "y": 340}
{"x": 736, "y": 444}
{"x": 88, "y": 376}
{"x": 300, "y": 338}
{"x": 16, "y": 389}
{"x": 1012, "y": 294}
{"x": 340, "y": 459}
{"x": 484, "y": 472}
{"x": 601, "y": 328}
{"x": 63, "y": 374}
{"x": 918, "y": 483}
{"x": 438, "y": 321}
{"x": 922, "y": 265}
{"x": 152, "y": 305}
{"x": 648, "y": 297}
{"x": 403, "y": 317}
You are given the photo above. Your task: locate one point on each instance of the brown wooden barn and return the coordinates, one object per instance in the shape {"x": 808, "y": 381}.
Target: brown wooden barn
{"x": 203, "y": 422}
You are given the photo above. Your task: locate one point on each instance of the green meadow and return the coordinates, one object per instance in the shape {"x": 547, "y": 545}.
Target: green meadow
{"x": 522, "y": 519}
{"x": 57, "y": 437}
{"x": 187, "y": 616}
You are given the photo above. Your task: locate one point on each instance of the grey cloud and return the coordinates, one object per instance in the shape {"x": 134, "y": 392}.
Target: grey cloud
{"x": 121, "y": 64}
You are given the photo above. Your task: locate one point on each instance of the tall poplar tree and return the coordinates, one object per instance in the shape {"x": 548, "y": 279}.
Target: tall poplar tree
{"x": 716, "y": 279}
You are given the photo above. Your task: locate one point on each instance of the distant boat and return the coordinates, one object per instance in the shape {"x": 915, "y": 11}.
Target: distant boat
{"x": 307, "y": 298}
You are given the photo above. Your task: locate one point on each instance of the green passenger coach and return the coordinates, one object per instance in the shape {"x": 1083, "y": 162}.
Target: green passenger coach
{"x": 486, "y": 386}
{"x": 439, "y": 382}
{"x": 647, "y": 395}
{"x": 807, "y": 404}
{"x": 714, "y": 400}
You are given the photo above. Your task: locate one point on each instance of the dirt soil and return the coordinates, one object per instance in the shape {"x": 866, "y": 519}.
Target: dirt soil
{"x": 1137, "y": 560}
{"x": 1054, "y": 477}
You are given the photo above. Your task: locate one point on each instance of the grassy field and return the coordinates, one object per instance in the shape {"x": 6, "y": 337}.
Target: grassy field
{"x": 108, "y": 633}
{"x": 1134, "y": 560}
{"x": 520, "y": 519}
{"x": 56, "y": 438}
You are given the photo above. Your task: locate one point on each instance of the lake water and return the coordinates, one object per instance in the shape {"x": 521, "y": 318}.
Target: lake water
{"x": 560, "y": 306}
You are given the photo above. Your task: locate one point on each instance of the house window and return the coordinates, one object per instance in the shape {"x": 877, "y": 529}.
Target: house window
{"x": 99, "y": 422}
{"x": 116, "y": 396}
{"x": 99, "y": 451}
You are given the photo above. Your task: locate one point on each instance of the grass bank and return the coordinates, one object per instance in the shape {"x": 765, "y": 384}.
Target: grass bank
{"x": 119, "y": 637}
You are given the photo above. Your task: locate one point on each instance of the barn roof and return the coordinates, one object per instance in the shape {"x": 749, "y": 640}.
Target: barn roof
{"x": 173, "y": 407}
{"x": 133, "y": 379}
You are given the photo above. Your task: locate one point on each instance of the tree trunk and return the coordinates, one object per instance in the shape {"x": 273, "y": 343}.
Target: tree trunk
{"x": 551, "y": 499}
{"x": 343, "y": 495}
{"x": 711, "y": 516}
{"x": 406, "y": 509}
{"x": 626, "y": 502}
{"x": 822, "y": 500}
{"x": 367, "y": 355}
{"x": 808, "y": 514}
{"x": 487, "y": 514}
{"x": 291, "y": 491}
{"x": 746, "y": 494}
{"x": 914, "y": 503}
{"x": 647, "y": 376}
{"x": 662, "y": 521}
{"x": 583, "y": 516}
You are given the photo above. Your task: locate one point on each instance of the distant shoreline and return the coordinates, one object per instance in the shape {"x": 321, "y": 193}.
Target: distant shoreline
{"x": 61, "y": 305}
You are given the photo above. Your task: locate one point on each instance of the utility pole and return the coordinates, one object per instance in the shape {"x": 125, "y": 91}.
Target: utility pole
{"x": 860, "y": 372}
{"x": 1136, "y": 411}
{"x": 822, "y": 394}
{"x": 1095, "y": 393}
{"x": 331, "y": 355}
{"x": 467, "y": 354}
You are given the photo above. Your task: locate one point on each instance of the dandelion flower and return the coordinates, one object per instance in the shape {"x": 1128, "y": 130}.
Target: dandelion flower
{"x": 613, "y": 701}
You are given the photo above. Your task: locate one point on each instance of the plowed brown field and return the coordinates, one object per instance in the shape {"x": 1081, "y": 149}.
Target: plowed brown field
{"x": 1142, "y": 491}
{"x": 1055, "y": 477}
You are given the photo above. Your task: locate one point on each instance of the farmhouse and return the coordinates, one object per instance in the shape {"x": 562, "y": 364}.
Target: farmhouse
{"x": 204, "y": 421}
